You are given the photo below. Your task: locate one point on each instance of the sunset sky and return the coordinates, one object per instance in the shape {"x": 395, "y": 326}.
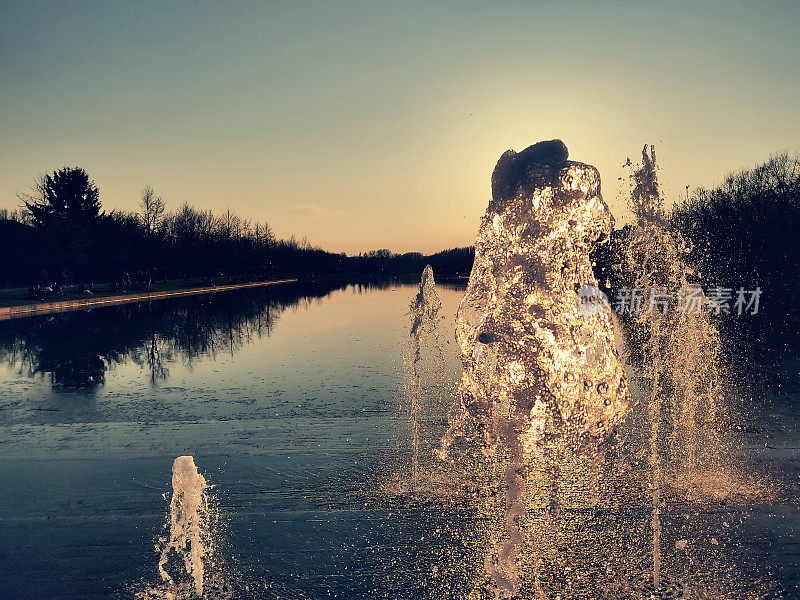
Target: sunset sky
{"x": 365, "y": 125}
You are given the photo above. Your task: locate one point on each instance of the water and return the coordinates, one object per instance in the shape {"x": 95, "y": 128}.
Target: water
{"x": 187, "y": 546}
{"x": 292, "y": 404}
{"x": 424, "y": 312}
{"x": 295, "y": 408}
{"x": 679, "y": 358}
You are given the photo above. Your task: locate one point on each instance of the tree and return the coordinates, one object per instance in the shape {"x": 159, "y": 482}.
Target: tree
{"x": 742, "y": 232}
{"x": 17, "y": 216}
{"x": 67, "y": 197}
{"x": 152, "y": 210}
{"x": 65, "y": 208}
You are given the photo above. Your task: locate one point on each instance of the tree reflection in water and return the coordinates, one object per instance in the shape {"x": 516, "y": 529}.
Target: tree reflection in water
{"x": 75, "y": 349}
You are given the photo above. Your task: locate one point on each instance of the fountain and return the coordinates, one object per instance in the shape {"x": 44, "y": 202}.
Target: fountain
{"x": 424, "y": 317}
{"x": 540, "y": 375}
{"x": 188, "y": 530}
{"x": 424, "y": 312}
{"x": 584, "y": 472}
{"x": 188, "y": 565}
{"x": 533, "y": 363}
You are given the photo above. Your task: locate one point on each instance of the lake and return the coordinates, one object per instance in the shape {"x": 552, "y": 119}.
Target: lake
{"x": 295, "y": 403}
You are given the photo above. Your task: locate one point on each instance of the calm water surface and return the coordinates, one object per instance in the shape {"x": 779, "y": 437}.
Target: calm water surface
{"x": 292, "y": 402}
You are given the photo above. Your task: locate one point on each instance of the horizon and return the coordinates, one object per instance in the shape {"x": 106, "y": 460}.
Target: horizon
{"x": 361, "y": 127}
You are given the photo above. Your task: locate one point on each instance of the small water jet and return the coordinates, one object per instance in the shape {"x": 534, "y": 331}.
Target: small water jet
{"x": 677, "y": 348}
{"x": 188, "y": 565}
{"x": 424, "y": 311}
{"x": 188, "y": 531}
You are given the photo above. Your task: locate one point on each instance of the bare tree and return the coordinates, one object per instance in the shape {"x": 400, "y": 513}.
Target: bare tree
{"x": 264, "y": 235}
{"x": 152, "y": 210}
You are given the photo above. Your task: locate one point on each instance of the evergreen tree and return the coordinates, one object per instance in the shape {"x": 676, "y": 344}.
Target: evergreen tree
{"x": 65, "y": 208}
{"x": 67, "y": 197}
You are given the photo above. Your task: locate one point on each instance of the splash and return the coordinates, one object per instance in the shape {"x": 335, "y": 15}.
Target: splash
{"x": 541, "y": 376}
{"x": 188, "y": 565}
{"x": 678, "y": 348}
{"x": 583, "y": 474}
{"x": 424, "y": 312}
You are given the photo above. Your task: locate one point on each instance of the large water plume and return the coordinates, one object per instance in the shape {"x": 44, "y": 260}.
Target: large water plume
{"x": 541, "y": 376}
{"x": 543, "y": 380}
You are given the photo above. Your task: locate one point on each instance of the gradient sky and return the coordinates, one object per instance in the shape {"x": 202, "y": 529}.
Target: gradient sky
{"x": 366, "y": 125}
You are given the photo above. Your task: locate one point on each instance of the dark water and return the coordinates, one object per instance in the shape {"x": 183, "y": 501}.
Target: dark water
{"x": 290, "y": 400}
{"x": 294, "y": 403}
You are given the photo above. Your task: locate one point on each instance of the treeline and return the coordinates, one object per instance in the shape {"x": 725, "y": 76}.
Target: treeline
{"x": 744, "y": 232}
{"x": 61, "y": 235}
{"x": 739, "y": 234}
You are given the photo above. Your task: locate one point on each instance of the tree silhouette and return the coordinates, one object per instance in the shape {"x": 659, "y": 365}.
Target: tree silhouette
{"x": 65, "y": 207}
{"x": 152, "y": 210}
{"x": 67, "y": 196}
{"x": 64, "y": 237}
{"x": 742, "y": 234}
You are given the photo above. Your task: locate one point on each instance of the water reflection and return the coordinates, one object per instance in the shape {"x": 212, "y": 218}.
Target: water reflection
{"x": 76, "y": 349}
{"x": 301, "y": 435}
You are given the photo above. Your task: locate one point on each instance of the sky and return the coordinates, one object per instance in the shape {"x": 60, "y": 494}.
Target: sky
{"x": 367, "y": 125}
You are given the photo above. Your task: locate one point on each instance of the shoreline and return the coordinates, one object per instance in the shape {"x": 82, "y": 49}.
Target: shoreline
{"x": 43, "y": 308}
